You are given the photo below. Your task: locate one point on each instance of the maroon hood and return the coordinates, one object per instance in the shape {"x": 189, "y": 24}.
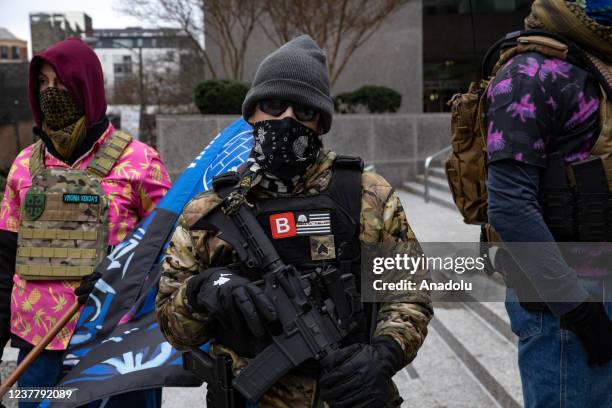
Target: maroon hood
{"x": 77, "y": 66}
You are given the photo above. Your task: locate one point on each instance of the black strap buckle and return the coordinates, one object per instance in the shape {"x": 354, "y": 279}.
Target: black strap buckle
{"x": 230, "y": 178}
{"x": 349, "y": 162}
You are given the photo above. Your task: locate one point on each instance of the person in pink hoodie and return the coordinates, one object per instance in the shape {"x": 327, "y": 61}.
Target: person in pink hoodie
{"x": 68, "y": 103}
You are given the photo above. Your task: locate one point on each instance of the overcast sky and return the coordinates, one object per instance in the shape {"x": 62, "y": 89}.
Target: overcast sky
{"x": 14, "y": 14}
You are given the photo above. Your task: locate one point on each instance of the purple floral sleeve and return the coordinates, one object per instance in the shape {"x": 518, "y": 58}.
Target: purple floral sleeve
{"x": 538, "y": 105}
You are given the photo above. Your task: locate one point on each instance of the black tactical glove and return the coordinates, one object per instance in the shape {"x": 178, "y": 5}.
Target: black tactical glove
{"x": 593, "y": 327}
{"x": 360, "y": 374}
{"x": 231, "y": 299}
{"x": 86, "y": 287}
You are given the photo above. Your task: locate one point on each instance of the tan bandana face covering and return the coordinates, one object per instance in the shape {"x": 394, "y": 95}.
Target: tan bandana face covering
{"x": 63, "y": 120}
{"x": 66, "y": 140}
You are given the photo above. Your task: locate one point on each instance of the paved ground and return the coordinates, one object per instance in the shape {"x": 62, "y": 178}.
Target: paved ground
{"x": 468, "y": 359}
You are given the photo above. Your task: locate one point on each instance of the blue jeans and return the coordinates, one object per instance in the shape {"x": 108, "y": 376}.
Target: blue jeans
{"x": 552, "y": 361}
{"x": 46, "y": 370}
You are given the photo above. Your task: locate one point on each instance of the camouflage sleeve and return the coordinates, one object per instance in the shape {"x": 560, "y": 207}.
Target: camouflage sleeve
{"x": 384, "y": 220}
{"x": 179, "y": 323}
{"x": 189, "y": 253}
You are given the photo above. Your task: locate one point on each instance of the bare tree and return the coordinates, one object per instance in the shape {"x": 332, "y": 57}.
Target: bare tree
{"x": 183, "y": 14}
{"x": 167, "y": 84}
{"x": 227, "y": 23}
{"x": 169, "y": 87}
{"x": 339, "y": 26}
{"x": 124, "y": 91}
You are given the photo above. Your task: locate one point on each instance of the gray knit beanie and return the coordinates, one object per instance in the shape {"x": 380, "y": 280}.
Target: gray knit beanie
{"x": 296, "y": 72}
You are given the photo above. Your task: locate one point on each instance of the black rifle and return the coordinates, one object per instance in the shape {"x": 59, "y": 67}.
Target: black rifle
{"x": 217, "y": 373}
{"x": 307, "y": 330}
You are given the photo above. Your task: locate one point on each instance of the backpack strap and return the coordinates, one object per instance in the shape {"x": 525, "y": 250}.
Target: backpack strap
{"x": 518, "y": 42}
{"x": 37, "y": 159}
{"x": 108, "y": 154}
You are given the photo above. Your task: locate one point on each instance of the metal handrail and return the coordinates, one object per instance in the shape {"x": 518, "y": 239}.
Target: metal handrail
{"x": 428, "y": 160}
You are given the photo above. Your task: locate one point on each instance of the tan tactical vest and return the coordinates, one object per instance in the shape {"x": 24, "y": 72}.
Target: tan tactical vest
{"x": 466, "y": 166}
{"x": 64, "y": 217}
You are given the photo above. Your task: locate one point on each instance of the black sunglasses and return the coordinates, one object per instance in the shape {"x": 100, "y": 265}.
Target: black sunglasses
{"x": 276, "y": 107}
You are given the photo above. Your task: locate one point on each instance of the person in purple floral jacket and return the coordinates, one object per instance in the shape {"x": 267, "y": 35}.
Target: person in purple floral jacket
{"x": 537, "y": 107}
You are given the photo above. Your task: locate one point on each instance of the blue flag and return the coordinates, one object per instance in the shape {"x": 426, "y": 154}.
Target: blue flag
{"x": 117, "y": 345}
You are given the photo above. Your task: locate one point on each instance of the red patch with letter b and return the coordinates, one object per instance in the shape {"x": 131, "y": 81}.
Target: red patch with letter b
{"x": 282, "y": 225}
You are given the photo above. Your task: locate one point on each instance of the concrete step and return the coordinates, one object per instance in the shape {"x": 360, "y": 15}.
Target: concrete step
{"x": 437, "y": 378}
{"x": 485, "y": 299}
{"x": 486, "y": 353}
{"x": 479, "y": 334}
{"x": 435, "y": 196}
{"x": 435, "y": 183}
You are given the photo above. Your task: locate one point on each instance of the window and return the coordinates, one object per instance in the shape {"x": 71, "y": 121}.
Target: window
{"x": 15, "y": 52}
{"x": 4, "y": 52}
{"x": 123, "y": 43}
{"x": 452, "y": 51}
{"x": 122, "y": 69}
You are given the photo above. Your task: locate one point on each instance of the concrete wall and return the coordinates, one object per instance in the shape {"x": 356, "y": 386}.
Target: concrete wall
{"x": 396, "y": 144}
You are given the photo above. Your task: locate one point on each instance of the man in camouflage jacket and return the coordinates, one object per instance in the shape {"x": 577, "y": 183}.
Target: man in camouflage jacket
{"x": 400, "y": 328}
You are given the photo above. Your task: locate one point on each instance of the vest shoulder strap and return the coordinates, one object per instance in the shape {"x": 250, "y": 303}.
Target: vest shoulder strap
{"x": 37, "y": 159}
{"x": 345, "y": 186}
{"x": 109, "y": 153}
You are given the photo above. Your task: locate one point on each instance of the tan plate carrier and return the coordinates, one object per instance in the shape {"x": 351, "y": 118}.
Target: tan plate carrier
{"x": 64, "y": 217}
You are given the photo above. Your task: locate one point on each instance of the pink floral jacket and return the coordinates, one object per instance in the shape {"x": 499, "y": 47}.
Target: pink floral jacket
{"x": 135, "y": 184}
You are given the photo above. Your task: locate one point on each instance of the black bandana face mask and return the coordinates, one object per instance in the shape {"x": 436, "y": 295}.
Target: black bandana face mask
{"x": 285, "y": 148}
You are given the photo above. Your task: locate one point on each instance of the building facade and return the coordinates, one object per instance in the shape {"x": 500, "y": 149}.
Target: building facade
{"x": 15, "y": 117}
{"x": 12, "y": 49}
{"x": 163, "y": 51}
{"x": 47, "y": 28}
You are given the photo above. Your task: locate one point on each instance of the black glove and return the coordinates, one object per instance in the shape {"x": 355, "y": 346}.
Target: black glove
{"x": 87, "y": 285}
{"x": 231, "y": 300}
{"x": 360, "y": 374}
{"x": 593, "y": 327}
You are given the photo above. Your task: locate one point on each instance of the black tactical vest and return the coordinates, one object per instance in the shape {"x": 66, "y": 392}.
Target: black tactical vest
{"x": 314, "y": 231}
